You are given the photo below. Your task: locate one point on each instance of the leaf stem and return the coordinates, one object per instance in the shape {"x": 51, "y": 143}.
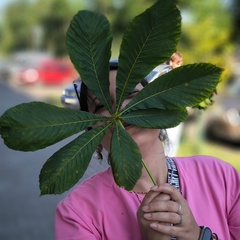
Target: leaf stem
{"x": 150, "y": 175}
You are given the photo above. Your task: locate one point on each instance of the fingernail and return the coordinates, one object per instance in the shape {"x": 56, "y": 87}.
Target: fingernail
{"x": 154, "y": 187}
{"x": 153, "y": 225}
{"x": 145, "y": 208}
{"x": 147, "y": 215}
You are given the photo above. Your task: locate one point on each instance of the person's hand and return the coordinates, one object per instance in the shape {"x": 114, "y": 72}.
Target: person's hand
{"x": 171, "y": 217}
{"x": 147, "y": 232}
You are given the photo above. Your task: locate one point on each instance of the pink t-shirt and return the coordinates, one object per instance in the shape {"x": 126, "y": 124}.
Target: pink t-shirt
{"x": 99, "y": 209}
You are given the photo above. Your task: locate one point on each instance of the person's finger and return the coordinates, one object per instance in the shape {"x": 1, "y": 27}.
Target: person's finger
{"x": 150, "y": 196}
{"x": 169, "y": 230}
{"x": 172, "y": 191}
{"x": 161, "y": 206}
{"x": 164, "y": 217}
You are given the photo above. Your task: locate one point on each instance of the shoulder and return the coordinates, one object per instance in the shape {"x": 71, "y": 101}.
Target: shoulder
{"x": 94, "y": 184}
{"x": 202, "y": 161}
{"x": 91, "y": 189}
{"x": 207, "y": 169}
{"x": 97, "y": 194}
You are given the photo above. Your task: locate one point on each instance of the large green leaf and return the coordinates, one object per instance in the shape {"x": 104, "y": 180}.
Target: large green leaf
{"x": 67, "y": 165}
{"x": 182, "y": 87}
{"x": 89, "y": 42}
{"x": 36, "y": 125}
{"x": 155, "y": 118}
{"x": 126, "y": 160}
{"x": 149, "y": 40}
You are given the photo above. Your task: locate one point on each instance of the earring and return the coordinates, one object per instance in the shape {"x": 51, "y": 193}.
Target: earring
{"x": 163, "y": 135}
{"x": 99, "y": 152}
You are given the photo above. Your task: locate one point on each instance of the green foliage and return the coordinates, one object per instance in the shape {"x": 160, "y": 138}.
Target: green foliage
{"x": 145, "y": 53}
{"x": 17, "y": 32}
{"x": 54, "y": 18}
{"x": 32, "y": 123}
{"x": 65, "y": 167}
{"x": 207, "y": 33}
{"x": 150, "y": 39}
{"x": 37, "y": 25}
{"x": 125, "y": 158}
{"x": 191, "y": 82}
{"x": 92, "y": 58}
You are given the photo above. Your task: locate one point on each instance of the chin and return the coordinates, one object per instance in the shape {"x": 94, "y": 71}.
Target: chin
{"x": 144, "y": 135}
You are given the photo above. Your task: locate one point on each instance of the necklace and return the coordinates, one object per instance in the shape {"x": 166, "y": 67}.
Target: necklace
{"x": 173, "y": 178}
{"x": 138, "y": 193}
{"x": 143, "y": 193}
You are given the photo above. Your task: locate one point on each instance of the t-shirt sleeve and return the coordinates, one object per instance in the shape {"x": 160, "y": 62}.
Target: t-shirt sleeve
{"x": 70, "y": 226}
{"x": 234, "y": 206}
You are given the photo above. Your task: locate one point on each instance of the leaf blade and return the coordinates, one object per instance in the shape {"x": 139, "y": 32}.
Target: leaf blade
{"x": 140, "y": 51}
{"x": 155, "y": 118}
{"x": 126, "y": 160}
{"x": 89, "y": 42}
{"x": 36, "y": 125}
{"x": 65, "y": 167}
{"x": 182, "y": 87}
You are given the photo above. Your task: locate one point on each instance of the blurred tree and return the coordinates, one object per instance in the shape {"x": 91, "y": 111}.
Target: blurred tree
{"x": 119, "y": 13}
{"x": 17, "y": 27}
{"x": 234, "y": 6}
{"x": 43, "y": 23}
{"x": 54, "y": 17}
{"x": 206, "y": 36}
{"x": 37, "y": 25}
{"x": 206, "y": 33}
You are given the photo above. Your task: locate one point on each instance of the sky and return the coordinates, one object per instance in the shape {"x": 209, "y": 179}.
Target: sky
{"x": 3, "y": 3}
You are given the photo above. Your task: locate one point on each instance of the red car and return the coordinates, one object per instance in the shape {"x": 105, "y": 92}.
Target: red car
{"x": 48, "y": 71}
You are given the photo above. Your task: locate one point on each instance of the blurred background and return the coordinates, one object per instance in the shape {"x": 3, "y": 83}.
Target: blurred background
{"x": 34, "y": 66}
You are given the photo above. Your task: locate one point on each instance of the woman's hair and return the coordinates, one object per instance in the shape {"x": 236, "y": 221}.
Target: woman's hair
{"x": 84, "y": 98}
{"x": 87, "y": 102}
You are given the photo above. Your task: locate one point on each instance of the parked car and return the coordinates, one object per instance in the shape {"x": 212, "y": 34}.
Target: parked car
{"x": 49, "y": 72}
{"x": 69, "y": 97}
{"x": 223, "y": 125}
{"x": 4, "y": 64}
{"x": 17, "y": 61}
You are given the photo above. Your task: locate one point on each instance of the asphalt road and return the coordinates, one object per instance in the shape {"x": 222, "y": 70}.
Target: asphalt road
{"x": 24, "y": 215}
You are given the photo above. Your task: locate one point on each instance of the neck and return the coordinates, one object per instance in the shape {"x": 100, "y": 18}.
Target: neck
{"x": 156, "y": 163}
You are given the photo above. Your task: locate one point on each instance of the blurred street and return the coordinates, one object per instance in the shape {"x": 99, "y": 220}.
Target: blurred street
{"x": 24, "y": 215}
